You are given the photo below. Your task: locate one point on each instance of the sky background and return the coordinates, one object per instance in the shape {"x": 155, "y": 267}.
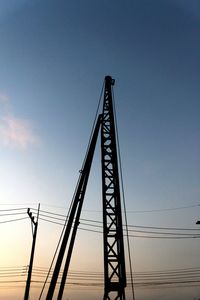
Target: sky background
{"x": 53, "y": 59}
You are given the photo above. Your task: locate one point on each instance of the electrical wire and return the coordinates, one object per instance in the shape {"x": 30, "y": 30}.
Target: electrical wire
{"x": 85, "y": 273}
{"x": 13, "y": 220}
{"x": 158, "y": 231}
{"x": 134, "y": 236}
{"x": 4, "y": 215}
{"x": 147, "y": 279}
{"x": 133, "y": 226}
{"x": 166, "y": 228}
{"x": 84, "y": 278}
{"x": 136, "y": 226}
{"x": 94, "y": 123}
{"x": 99, "y": 211}
{"x": 151, "y": 210}
{"x": 164, "y": 209}
{"x": 123, "y": 198}
{"x": 12, "y": 209}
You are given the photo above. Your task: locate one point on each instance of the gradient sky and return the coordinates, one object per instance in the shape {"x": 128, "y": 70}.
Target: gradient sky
{"x": 53, "y": 59}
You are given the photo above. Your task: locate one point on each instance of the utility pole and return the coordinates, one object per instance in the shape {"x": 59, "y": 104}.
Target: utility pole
{"x": 34, "y": 231}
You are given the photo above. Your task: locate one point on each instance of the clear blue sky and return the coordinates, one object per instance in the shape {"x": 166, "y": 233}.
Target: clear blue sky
{"x": 53, "y": 59}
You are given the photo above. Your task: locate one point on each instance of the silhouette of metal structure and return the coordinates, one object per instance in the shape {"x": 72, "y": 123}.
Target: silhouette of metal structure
{"x": 30, "y": 267}
{"x": 114, "y": 260}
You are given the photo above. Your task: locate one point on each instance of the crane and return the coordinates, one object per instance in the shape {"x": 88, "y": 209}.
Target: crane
{"x": 114, "y": 257}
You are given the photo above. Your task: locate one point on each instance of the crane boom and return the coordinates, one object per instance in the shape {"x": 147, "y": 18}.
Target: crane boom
{"x": 114, "y": 260}
{"x": 70, "y": 231}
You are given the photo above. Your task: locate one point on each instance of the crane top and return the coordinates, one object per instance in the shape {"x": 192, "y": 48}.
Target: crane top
{"x": 110, "y": 79}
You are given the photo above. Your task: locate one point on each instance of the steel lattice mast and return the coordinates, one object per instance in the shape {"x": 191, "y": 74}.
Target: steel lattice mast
{"x": 114, "y": 261}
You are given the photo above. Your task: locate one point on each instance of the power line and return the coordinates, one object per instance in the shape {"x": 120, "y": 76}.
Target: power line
{"x": 12, "y": 209}
{"x": 90, "y": 210}
{"x": 158, "y": 231}
{"x": 164, "y": 209}
{"x": 147, "y": 279}
{"x": 13, "y": 220}
{"x": 12, "y": 214}
{"x": 63, "y": 217}
{"x": 180, "y": 236}
{"x": 152, "y": 210}
{"x": 137, "y": 226}
{"x": 24, "y": 268}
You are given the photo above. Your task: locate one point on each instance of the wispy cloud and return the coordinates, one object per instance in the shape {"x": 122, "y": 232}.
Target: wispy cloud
{"x": 4, "y": 98}
{"x": 15, "y": 132}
